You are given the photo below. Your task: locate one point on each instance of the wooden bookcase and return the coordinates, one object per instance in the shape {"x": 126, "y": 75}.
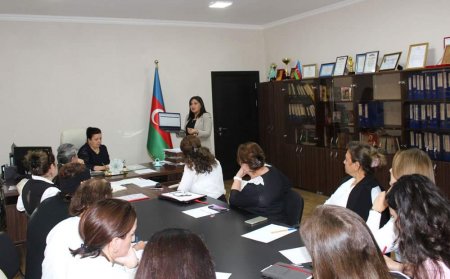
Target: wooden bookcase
{"x": 305, "y": 125}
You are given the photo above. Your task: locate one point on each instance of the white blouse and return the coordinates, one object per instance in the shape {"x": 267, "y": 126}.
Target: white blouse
{"x": 210, "y": 184}
{"x": 57, "y": 254}
{"x": 340, "y": 196}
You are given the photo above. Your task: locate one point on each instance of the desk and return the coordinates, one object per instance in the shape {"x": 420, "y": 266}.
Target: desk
{"x": 17, "y": 221}
{"x": 242, "y": 257}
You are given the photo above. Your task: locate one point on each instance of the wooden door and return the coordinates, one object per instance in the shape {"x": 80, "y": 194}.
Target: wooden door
{"x": 235, "y": 115}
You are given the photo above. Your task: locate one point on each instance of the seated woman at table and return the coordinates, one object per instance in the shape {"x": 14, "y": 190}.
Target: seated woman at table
{"x": 360, "y": 188}
{"x": 40, "y": 187}
{"x": 409, "y": 161}
{"x": 265, "y": 192}
{"x": 65, "y": 235}
{"x": 107, "y": 229}
{"x": 341, "y": 245}
{"x": 93, "y": 152}
{"x": 175, "y": 254}
{"x": 422, "y": 222}
{"x": 50, "y": 212}
{"x": 202, "y": 172}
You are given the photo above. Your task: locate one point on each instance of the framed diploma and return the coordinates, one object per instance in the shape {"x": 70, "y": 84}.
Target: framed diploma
{"x": 446, "y": 57}
{"x": 326, "y": 70}
{"x": 310, "y": 71}
{"x": 360, "y": 61}
{"x": 341, "y": 65}
{"x": 390, "y": 61}
{"x": 370, "y": 65}
{"x": 446, "y": 41}
{"x": 417, "y": 56}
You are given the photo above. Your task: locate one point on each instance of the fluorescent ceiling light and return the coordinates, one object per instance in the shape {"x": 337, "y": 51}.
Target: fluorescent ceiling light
{"x": 220, "y": 4}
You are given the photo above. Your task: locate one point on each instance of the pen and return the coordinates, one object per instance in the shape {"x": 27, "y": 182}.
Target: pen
{"x": 296, "y": 268}
{"x": 284, "y": 230}
{"x": 199, "y": 201}
{"x": 384, "y": 250}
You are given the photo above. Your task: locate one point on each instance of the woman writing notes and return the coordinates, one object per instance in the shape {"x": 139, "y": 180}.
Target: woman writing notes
{"x": 198, "y": 121}
{"x": 202, "y": 172}
{"x": 93, "y": 152}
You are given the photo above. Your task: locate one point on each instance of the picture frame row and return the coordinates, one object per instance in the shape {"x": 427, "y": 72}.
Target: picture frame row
{"x": 368, "y": 62}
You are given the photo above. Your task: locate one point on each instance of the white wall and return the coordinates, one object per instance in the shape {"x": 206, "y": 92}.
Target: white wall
{"x": 384, "y": 25}
{"x": 55, "y": 76}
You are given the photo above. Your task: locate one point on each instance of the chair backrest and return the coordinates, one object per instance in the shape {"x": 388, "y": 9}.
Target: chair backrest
{"x": 77, "y": 137}
{"x": 293, "y": 208}
{"x": 9, "y": 258}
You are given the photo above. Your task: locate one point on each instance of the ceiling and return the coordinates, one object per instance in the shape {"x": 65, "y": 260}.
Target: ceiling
{"x": 242, "y": 12}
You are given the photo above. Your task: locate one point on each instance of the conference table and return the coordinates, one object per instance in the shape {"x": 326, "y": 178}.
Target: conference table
{"x": 222, "y": 233}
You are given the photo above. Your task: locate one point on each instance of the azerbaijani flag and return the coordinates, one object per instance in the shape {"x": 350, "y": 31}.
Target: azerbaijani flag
{"x": 157, "y": 139}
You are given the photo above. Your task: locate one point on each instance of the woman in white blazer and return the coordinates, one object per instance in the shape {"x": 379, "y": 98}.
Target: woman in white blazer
{"x": 198, "y": 121}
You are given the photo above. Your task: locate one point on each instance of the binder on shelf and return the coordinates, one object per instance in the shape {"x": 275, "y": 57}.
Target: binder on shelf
{"x": 440, "y": 84}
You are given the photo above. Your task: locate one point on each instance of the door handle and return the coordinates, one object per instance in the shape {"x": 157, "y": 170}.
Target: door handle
{"x": 221, "y": 129}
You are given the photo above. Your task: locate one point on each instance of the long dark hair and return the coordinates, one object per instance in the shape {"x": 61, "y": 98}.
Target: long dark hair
{"x": 423, "y": 224}
{"x": 101, "y": 223}
{"x": 175, "y": 254}
{"x": 202, "y": 109}
{"x": 341, "y": 245}
{"x": 196, "y": 156}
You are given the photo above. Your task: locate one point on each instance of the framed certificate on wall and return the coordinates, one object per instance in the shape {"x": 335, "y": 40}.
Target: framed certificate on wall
{"x": 326, "y": 70}
{"x": 417, "y": 56}
{"x": 370, "y": 65}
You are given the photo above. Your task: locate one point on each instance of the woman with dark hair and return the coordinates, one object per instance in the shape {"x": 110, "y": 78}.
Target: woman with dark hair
{"x": 422, "y": 221}
{"x": 50, "y": 212}
{"x": 107, "y": 229}
{"x": 64, "y": 235}
{"x": 199, "y": 121}
{"x": 341, "y": 245}
{"x": 175, "y": 254}
{"x": 405, "y": 162}
{"x": 40, "y": 187}
{"x": 360, "y": 188}
{"x": 265, "y": 192}
{"x": 202, "y": 172}
{"x": 93, "y": 152}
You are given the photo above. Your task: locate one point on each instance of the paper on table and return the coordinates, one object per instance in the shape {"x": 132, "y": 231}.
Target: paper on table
{"x": 297, "y": 255}
{"x": 173, "y": 150}
{"x": 117, "y": 187}
{"x": 135, "y": 167}
{"x": 269, "y": 233}
{"x": 222, "y": 275}
{"x": 144, "y": 171}
{"x": 145, "y": 182}
{"x": 134, "y": 197}
{"x": 200, "y": 212}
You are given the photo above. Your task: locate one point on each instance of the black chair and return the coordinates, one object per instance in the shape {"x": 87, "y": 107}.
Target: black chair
{"x": 293, "y": 208}
{"x": 9, "y": 258}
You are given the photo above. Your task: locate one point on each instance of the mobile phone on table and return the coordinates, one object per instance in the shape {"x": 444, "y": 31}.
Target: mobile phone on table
{"x": 218, "y": 208}
{"x": 256, "y": 220}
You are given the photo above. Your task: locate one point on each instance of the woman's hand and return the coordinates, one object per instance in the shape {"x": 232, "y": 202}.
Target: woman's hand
{"x": 380, "y": 204}
{"x": 393, "y": 265}
{"x": 139, "y": 245}
{"x": 192, "y": 131}
{"x": 130, "y": 260}
{"x": 241, "y": 173}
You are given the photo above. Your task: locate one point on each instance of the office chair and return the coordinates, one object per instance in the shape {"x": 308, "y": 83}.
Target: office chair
{"x": 77, "y": 137}
{"x": 293, "y": 208}
{"x": 9, "y": 258}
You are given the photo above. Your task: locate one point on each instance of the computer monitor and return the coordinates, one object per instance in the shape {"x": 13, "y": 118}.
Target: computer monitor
{"x": 20, "y": 152}
{"x": 170, "y": 121}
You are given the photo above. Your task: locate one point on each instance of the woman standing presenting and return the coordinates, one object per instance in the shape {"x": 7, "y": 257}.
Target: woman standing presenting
{"x": 198, "y": 121}
{"x": 93, "y": 152}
